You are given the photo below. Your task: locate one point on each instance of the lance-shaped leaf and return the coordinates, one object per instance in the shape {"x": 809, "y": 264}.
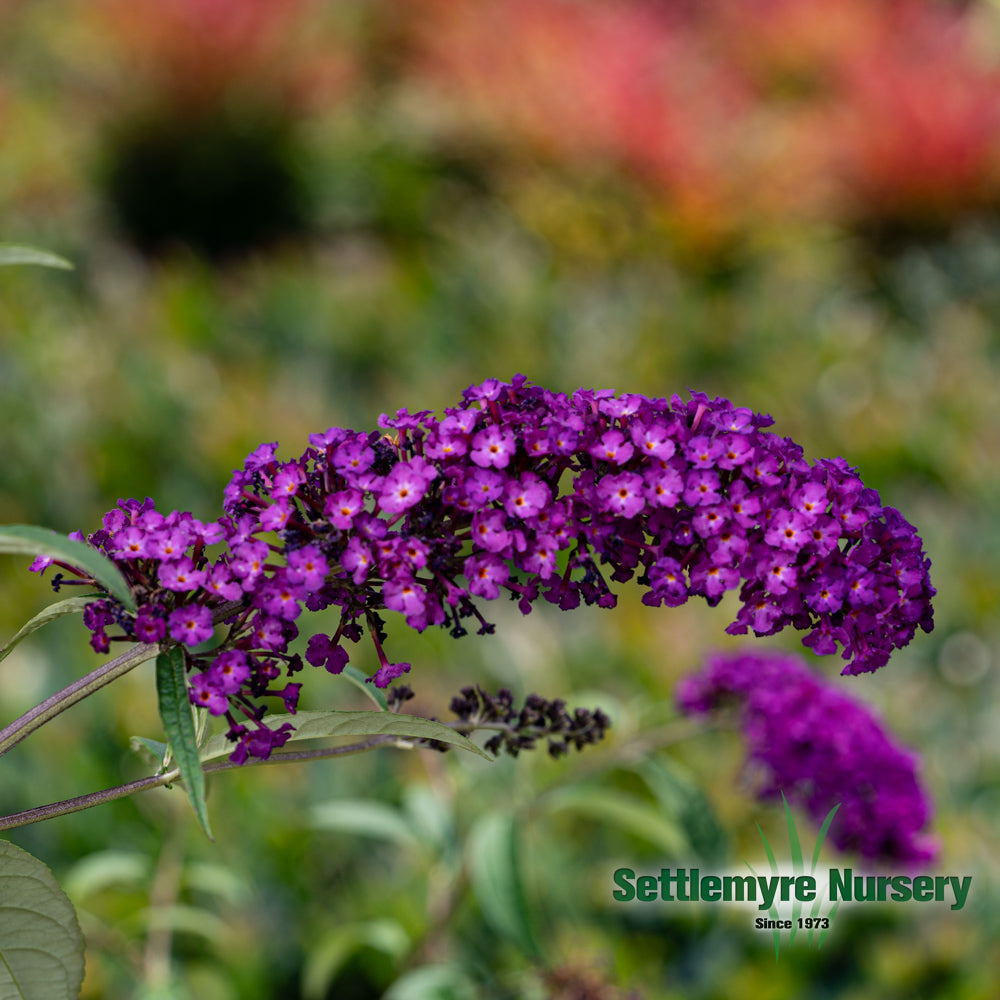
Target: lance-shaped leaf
{"x": 41, "y": 947}
{"x": 175, "y": 711}
{"x": 360, "y": 681}
{"x": 30, "y": 540}
{"x": 498, "y": 880}
{"x": 71, "y": 606}
{"x": 18, "y": 253}
{"x": 153, "y": 750}
{"x": 315, "y": 725}
{"x": 628, "y": 812}
{"x": 367, "y": 819}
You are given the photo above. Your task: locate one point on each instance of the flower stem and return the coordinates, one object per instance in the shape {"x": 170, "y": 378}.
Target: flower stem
{"x": 81, "y": 802}
{"x": 54, "y": 809}
{"x": 55, "y": 704}
{"x": 77, "y": 691}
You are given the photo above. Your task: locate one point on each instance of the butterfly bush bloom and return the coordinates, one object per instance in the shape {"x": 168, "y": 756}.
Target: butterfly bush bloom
{"x": 528, "y": 493}
{"x": 822, "y": 749}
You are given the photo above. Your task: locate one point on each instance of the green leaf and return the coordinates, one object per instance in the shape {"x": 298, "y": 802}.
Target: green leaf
{"x": 433, "y": 982}
{"x": 187, "y": 919}
{"x": 71, "y": 606}
{"x": 41, "y": 947}
{"x": 429, "y": 814}
{"x": 155, "y": 751}
{"x": 314, "y": 725}
{"x": 326, "y": 958}
{"x": 359, "y": 680}
{"x": 226, "y": 884}
{"x": 30, "y": 540}
{"x": 366, "y": 819}
{"x": 625, "y": 811}
{"x": 99, "y": 871}
{"x": 16, "y": 253}
{"x": 681, "y": 798}
{"x": 498, "y": 882}
{"x": 175, "y": 711}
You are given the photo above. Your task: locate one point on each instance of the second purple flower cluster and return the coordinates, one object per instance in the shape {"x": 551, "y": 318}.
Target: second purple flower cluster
{"x": 822, "y": 749}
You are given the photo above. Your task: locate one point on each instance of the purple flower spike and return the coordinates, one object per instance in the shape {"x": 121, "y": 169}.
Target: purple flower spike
{"x": 531, "y": 494}
{"x": 822, "y": 749}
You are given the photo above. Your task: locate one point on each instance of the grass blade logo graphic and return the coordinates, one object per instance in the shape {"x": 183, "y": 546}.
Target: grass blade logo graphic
{"x": 815, "y": 859}
{"x": 814, "y": 923}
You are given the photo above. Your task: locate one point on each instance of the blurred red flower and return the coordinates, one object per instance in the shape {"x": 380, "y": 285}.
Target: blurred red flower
{"x": 733, "y": 113}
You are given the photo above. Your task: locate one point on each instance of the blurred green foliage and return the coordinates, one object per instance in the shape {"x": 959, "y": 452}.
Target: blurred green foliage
{"x": 427, "y": 267}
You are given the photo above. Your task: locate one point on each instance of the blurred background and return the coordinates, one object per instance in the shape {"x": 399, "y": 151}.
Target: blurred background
{"x": 286, "y": 215}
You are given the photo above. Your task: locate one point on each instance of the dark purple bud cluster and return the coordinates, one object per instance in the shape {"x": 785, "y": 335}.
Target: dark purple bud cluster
{"x": 521, "y": 491}
{"x": 822, "y": 749}
{"x": 539, "y": 718}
